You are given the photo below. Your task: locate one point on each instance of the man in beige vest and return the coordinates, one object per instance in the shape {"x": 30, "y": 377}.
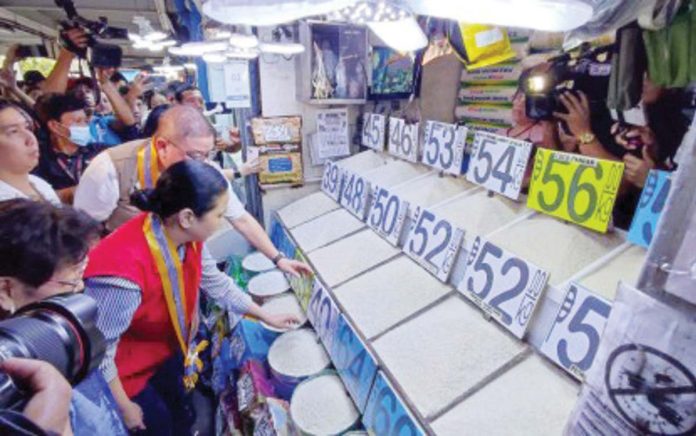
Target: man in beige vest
{"x": 183, "y": 133}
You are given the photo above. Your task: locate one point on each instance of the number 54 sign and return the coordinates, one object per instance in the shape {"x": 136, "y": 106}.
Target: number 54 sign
{"x": 575, "y": 188}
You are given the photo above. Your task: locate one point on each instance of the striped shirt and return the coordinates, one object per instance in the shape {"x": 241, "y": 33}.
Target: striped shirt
{"x": 118, "y": 299}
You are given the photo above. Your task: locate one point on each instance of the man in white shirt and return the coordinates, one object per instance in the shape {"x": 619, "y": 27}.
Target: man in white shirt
{"x": 183, "y": 133}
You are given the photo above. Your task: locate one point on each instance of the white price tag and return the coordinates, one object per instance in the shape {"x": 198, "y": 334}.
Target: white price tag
{"x": 373, "y": 131}
{"x": 506, "y": 287}
{"x": 403, "y": 139}
{"x": 498, "y": 163}
{"x": 331, "y": 180}
{"x": 387, "y": 215}
{"x": 433, "y": 243}
{"x": 574, "y": 337}
{"x": 354, "y": 194}
{"x": 443, "y": 146}
{"x": 323, "y": 313}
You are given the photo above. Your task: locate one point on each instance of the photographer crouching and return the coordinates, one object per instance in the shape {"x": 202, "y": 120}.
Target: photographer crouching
{"x": 43, "y": 254}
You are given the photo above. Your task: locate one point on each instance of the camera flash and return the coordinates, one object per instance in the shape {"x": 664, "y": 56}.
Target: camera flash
{"x": 537, "y": 83}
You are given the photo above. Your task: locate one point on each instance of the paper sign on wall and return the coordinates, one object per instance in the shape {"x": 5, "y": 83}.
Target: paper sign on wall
{"x": 332, "y": 133}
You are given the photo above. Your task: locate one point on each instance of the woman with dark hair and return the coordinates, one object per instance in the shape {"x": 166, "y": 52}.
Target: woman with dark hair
{"x": 43, "y": 254}
{"x": 150, "y": 126}
{"x": 19, "y": 149}
{"x": 148, "y": 304}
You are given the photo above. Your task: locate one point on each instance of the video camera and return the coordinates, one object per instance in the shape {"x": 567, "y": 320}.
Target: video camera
{"x": 588, "y": 72}
{"x": 60, "y": 330}
{"x": 103, "y": 55}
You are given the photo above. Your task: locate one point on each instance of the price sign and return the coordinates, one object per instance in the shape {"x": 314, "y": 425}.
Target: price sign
{"x": 403, "y": 139}
{"x": 652, "y": 201}
{"x": 387, "y": 215}
{"x": 373, "y": 131}
{"x": 386, "y": 414}
{"x": 354, "y": 194}
{"x": 574, "y": 337}
{"x": 355, "y": 365}
{"x": 323, "y": 313}
{"x": 498, "y": 163}
{"x": 281, "y": 239}
{"x": 331, "y": 180}
{"x": 506, "y": 287}
{"x": 433, "y": 243}
{"x": 575, "y": 188}
{"x": 443, "y": 147}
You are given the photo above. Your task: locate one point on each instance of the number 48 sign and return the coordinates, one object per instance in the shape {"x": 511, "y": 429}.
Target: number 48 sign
{"x": 498, "y": 163}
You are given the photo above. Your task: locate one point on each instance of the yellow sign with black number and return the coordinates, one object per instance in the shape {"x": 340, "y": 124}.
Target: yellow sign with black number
{"x": 575, "y": 188}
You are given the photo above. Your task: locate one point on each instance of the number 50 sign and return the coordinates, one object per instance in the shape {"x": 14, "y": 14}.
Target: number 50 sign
{"x": 575, "y": 188}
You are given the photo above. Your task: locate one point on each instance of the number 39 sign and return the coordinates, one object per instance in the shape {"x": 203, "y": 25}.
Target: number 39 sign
{"x": 575, "y": 188}
{"x": 504, "y": 286}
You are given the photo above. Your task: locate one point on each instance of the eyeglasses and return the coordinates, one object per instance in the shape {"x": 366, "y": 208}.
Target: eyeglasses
{"x": 200, "y": 156}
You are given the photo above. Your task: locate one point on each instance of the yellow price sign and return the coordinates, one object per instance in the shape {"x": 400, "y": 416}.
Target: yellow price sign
{"x": 575, "y": 188}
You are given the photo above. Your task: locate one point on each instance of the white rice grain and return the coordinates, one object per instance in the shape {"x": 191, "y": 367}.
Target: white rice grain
{"x": 298, "y": 354}
{"x": 321, "y": 406}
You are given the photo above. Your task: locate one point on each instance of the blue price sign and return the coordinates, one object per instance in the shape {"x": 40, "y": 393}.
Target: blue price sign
{"x": 323, "y": 313}
{"x": 355, "y": 365}
{"x": 652, "y": 201}
{"x": 280, "y": 238}
{"x": 386, "y": 414}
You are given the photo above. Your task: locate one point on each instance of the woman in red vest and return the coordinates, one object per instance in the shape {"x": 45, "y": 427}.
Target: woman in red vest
{"x": 145, "y": 277}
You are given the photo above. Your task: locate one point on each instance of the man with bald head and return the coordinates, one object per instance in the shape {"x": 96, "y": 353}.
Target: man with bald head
{"x": 182, "y": 133}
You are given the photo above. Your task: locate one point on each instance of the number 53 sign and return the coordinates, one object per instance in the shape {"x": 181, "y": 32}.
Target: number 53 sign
{"x": 575, "y": 188}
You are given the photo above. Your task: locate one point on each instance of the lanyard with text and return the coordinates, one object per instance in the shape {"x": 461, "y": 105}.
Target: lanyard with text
{"x": 148, "y": 168}
{"x": 73, "y": 168}
{"x": 169, "y": 267}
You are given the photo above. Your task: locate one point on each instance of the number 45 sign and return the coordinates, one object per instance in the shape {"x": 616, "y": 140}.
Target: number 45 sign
{"x": 373, "y": 131}
{"x": 498, "y": 163}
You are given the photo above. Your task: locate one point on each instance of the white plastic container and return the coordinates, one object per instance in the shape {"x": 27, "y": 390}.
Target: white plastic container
{"x": 284, "y": 303}
{"x": 322, "y": 406}
{"x": 257, "y": 262}
{"x": 268, "y": 285}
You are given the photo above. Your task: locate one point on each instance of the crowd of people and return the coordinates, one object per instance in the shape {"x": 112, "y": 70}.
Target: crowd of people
{"x": 111, "y": 189}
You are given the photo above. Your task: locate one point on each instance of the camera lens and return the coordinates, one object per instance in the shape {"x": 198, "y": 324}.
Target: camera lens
{"x": 61, "y": 331}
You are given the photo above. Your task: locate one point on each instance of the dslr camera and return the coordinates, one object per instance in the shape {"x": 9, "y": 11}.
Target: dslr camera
{"x": 102, "y": 55}
{"x": 588, "y": 72}
{"x": 60, "y": 330}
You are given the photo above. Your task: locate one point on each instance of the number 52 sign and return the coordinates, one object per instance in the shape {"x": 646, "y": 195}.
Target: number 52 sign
{"x": 575, "y": 188}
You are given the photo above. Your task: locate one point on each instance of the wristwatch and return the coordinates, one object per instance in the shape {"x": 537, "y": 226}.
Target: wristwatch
{"x": 586, "y": 138}
{"x": 277, "y": 258}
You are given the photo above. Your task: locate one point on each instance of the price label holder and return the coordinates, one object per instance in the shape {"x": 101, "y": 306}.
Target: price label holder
{"x": 573, "y": 339}
{"x": 387, "y": 215}
{"x": 652, "y": 201}
{"x": 354, "y": 363}
{"x": 403, "y": 139}
{"x": 281, "y": 239}
{"x": 331, "y": 180}
{"x": 355, "y": 194}
{"x": 505, "y": 287}
{"x": 443, "y": 147}
{"x": 373, "y": 131}
{"x": 575, "y": 188}
{"x": 498, "y": 163}
{"x": 386, "y": 413}
{"x": 433, "y": 242}
{"x": 323, "y": 313}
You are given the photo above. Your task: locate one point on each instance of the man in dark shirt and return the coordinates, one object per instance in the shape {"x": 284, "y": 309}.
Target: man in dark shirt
{"x": 69, "y": 148}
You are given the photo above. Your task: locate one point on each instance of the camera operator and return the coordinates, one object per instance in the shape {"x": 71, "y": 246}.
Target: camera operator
{"x": 47, "y": 411}
{"x": 44, "y": 253}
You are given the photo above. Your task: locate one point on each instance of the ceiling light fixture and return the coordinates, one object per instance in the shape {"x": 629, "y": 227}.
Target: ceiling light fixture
{"x": 281, "y": 48}
{"x": 268, "y": 12}
{"x": 371, "y": 11}
{"x": 198, "y": 48}
{"x": 243, "y": 41}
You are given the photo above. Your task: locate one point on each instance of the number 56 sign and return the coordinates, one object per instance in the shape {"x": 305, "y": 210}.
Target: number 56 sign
{"x": 575, "y": 188}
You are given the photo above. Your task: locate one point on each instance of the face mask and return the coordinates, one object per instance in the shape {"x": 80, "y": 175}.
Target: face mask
{"x": 80, "y": 135}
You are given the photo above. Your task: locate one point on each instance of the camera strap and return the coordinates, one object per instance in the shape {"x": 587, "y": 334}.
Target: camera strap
{"x": 170, "y": 269}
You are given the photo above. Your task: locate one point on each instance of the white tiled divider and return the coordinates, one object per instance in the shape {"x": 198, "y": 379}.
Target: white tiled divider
{"x": 380, "y": 298}
{"x": 445, "y": 352}
{"x": 306, "y": 209}
{"x": 325, "y": 229}
{"x": 532, "y": 398}
{"x": 624, "y": 267}
{"x": 351, "y": 256}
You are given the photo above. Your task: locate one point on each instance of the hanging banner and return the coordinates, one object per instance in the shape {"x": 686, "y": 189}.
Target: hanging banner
{"x": 332, "y": 133}
{"x": 643, "y": 378}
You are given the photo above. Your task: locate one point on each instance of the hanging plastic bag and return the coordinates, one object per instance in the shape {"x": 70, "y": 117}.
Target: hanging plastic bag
{"x": 480, "y": 45}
